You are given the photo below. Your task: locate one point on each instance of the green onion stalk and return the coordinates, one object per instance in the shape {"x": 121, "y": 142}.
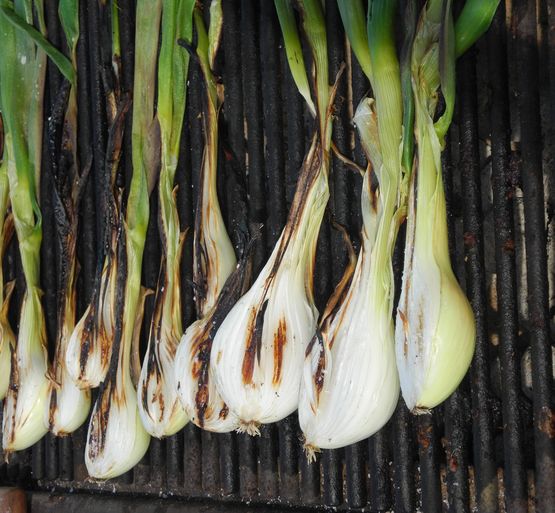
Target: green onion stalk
{"x": 259, "y": 348}
{"x": 435, "y": 329}
{"x": 213, "y": 255}
{"x": 22, "y": 75}
{"x": 159, "y": 407}
{"x": 68, "y": 405}
{"x": 350, "y": 385}
{"x": 89, "y": 349}
{"x": 117, "y": 439}
{"x": 7, "y": 337}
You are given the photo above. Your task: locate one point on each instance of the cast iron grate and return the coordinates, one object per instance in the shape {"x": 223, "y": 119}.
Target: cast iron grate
{"x": 491, "y": 446}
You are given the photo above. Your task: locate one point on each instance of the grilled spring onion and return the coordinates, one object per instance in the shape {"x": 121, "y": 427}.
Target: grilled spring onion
{"x": 350, "y": 385}
{"x": 435, "y": 331}
{"x": 213, "y": 257}
{"x": 90, "y": 346}
{"x": 7, "y": 337}
{"x": 68, "y": 405}
{"x": 159, "y": 407}
{"x": 22, "y": 71}
{"x": 194, "y": 376}
{"x": 116, "y": 439}
{"x": 258, "y": 350}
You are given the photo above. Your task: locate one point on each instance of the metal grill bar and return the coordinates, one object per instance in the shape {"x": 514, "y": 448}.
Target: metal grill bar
{"x": 469, "y": 166}
{"x": 524, "y": 26}
{"x": 456, "y": 422}
{"x": 429, "y": 465}
{"x": 273, "y": 120}
{"x": 379, "y": 490}
{"x": 267, "y": 474}
{"x": 515, "y": 471}
{"x": 404, "y": 467}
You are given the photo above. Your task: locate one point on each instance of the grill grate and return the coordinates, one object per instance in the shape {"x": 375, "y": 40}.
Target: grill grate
{"x": 491, "y": 446}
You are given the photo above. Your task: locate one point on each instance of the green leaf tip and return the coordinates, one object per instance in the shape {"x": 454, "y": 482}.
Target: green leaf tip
{"x": 473, "y": 22}
{"x": 294, "y": 50}
{"x": 57, "y": 57}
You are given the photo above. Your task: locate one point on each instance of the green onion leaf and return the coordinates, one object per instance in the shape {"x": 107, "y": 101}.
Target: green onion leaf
{"x": 116, "y": 45}
{"x": 173, "y": 65}
{"x": 57, "y": 57}
{"x": 409, "y": 30}
{"x": 473, "y": 21}
{"x": 352, "y": 15}
{"x": 294, "y": 50}
{"x": 446, "y": 69}
{"x": 386, "y": 86}
{"x": 314, "y": 27}
{"x": 68, "y": 10}
{"x": 214, "y": 30}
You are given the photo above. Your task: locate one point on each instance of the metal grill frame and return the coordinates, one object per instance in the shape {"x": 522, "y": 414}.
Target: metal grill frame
{"x": 489, "y": 447}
